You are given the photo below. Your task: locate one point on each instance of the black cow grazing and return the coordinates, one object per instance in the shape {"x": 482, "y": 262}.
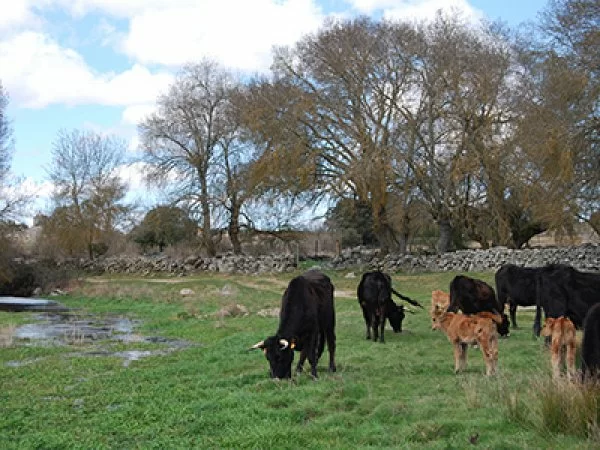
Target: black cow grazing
{"x": 374, "y": 294}
{"x": 306, "y": 320}
{"x": 516, "y": 286}
{"x": 395, "y": 315}
{"x": 565, "y": 291}
{"x": 473, "y": 296}
{"x": 590, "y": 344}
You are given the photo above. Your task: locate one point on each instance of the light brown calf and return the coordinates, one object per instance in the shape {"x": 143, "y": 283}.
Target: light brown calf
{"x": 463, "y": 330}
{"x": 439, "y": 302}
{"x": 563, "y": 346}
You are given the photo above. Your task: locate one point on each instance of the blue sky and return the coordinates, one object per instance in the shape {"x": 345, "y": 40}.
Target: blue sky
{"x": 100, "y": 64}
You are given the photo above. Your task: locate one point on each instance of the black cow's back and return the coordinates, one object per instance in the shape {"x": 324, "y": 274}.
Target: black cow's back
{"x": 517, "y": 284}
{"x": 565, "y": 291}
{"x": 473, "y": 296}
{"x": 307, "y": 305}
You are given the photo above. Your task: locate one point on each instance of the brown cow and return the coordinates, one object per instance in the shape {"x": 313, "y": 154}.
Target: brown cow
{"x": 463, "y": 330}
{"x": 563, "y": 346}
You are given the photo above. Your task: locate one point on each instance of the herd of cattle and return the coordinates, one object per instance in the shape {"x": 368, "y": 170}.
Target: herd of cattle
{"x": 569, "y": 298}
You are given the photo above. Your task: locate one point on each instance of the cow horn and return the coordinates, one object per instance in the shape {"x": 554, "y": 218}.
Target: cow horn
{"x": 260, "y": 344}
{"x": 285, "y": 344}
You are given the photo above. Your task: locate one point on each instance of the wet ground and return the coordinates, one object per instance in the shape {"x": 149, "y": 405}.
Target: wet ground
{"x": 19, "y": 304}
{"x": 93, "y": 336}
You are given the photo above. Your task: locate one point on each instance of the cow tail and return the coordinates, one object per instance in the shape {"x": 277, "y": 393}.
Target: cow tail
{"x": 408, "y": 299}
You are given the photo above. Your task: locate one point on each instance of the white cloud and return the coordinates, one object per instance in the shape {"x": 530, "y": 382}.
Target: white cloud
{"x": 134, "y": 114}
{"x": 133, "y": 175}
{"x": 415, "y": 9}
{"x": 16, "y": 13}
{"x": 121, "y": 8}
{"x": 427, "y": 9}
{"x": 39, "y": 72}
{"x": 238, "y": 33}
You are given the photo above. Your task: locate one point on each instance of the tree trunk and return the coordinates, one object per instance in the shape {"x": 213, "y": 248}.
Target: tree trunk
{"x": 207, "y": 239}
{"x": 234, "y": 228}
{"x": 403, "y": 243}
{"x": 445, "y": 240}
{"x": 384, "y": 232}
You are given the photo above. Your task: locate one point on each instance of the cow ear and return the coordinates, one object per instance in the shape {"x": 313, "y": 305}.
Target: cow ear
{"x": 293, "y": 344}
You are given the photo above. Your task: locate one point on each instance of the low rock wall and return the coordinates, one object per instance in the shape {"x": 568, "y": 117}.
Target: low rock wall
{"x": 147, "y": 265}
{"x": 585, "y": 257}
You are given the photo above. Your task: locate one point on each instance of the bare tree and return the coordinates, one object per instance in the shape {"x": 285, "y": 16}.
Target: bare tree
{"x": 6, "y": 143}
{"x": 330, "y": 116}
{"x": 87, "y": 190}
{"x": 572, "y": 29}
{"x": 13, "y": 201}
{"x": 192, "y": 142}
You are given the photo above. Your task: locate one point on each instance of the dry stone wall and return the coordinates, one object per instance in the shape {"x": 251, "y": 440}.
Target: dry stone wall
{"x": 585, "y": 257}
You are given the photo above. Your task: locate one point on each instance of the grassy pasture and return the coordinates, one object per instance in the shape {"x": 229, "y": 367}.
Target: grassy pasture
{"x": 217, "y": 394}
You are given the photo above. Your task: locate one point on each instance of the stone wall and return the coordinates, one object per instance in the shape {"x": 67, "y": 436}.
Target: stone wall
{"x": 586, "y": 257}
{"x": 146, "y": 265}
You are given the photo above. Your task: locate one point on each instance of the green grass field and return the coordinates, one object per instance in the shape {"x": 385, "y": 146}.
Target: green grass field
{"x": 215, "y": 394}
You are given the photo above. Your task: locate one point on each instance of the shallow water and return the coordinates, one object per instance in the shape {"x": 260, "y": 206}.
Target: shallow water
{"x": 102, "y": 332}
{"x": 66, "y": 328}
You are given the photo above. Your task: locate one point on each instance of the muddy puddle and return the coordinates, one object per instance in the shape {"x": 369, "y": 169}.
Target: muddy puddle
{"x": 94, "y": 333}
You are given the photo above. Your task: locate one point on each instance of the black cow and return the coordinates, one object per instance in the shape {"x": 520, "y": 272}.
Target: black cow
{"x": 565, "y": 291}
{"x": 374, "y": 294}
{"x": 516, "y": 286}
{"x": 306, "y": 320}
{"x": 590, "y": 344}
{"x": 473, "y": 296}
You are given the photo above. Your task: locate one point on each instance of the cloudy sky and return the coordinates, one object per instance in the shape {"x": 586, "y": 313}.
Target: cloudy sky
{"x": 100, "y": 64}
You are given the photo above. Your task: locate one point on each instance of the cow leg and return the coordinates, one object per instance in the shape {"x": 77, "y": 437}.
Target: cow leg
{"x": 463, "y": 360}
{"x": 313, "y": 356}
{"x": 382, "y": 327}
{"x": 513, "y": 314}
{"x": 556, "y": 350}
{"x": 489, "y": 349}
{"x": 300, "y": 365}
{"x": 375, "y": 326}
{"x": 331, "y": 350}
{"x": 537, "y": 327}
{"x": 460, "y": 356}
{"x": 367, "y": 317}
{"x": 571, "y": 351}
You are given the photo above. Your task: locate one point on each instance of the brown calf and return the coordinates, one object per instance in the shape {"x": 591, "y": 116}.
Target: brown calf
{"x": 563, "y": 346}
{"x": 439, "y": 302}
{"x": 463, "y": 330}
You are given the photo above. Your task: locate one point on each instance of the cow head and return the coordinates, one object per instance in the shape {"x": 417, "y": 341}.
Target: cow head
{"x": 395, "y": 314}
{"x": 504, "y": 327}
{"x": 279, "y": 353}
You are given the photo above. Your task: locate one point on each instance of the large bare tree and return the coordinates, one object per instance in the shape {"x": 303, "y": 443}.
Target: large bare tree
{"x": 572, "y": 32}
{"x": 88, "y": 193}
{"x": 330, "y": 117}
{"x": 192, "y": 142}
